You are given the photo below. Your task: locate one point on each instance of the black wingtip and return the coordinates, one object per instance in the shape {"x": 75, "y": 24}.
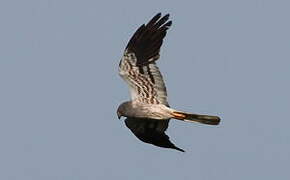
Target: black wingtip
{"x": 178, "y": 149}
{"x": 168, "y": 24}
{"x": 166, "y": 16}
{"x": 147, "y": 40}
{"x": 154, "y": 19}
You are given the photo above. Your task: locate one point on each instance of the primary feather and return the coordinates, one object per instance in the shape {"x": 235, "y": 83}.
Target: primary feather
{"x": 138, "y": 67}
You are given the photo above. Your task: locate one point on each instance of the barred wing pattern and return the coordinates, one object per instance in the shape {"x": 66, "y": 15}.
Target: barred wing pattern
{"x": 138, "y": 67}
{"x": 139, "y": 70}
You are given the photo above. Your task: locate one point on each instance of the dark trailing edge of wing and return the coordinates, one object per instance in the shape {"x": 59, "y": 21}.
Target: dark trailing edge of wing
{"x": 147, "y": 40}
{"x": 145, "y": 130}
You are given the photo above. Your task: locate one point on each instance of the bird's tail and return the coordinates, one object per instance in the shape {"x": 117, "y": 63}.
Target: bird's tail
{"x": 204, "y": 119}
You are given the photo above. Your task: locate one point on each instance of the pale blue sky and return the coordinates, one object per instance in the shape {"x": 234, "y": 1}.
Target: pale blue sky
{"x": 59, "y": 90}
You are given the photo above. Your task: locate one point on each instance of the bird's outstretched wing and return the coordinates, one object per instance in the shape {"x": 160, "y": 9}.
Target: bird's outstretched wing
{"x": 138, "y": 67}
{"x": 151, "y": 131}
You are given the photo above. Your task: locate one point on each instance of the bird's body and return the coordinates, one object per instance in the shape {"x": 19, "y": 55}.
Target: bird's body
{"x": 144, "y": 110}
{"x": 148, "y": 113}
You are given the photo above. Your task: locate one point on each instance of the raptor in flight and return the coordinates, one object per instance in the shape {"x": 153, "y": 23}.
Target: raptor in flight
{"x": 148, "y": 113}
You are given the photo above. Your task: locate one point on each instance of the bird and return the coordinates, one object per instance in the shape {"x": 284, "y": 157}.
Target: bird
{"x": 148, "y": 112}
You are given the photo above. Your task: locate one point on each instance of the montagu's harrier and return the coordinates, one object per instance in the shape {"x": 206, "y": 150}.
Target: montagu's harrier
{"x": 148, "y": 113}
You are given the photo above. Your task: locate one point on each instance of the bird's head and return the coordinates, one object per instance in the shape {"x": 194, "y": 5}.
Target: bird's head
{"x": 122, "y": 109}
{"x": 119, "y": 114}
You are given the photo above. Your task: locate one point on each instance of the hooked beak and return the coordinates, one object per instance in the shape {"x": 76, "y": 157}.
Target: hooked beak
{"x": 119, "y": 115}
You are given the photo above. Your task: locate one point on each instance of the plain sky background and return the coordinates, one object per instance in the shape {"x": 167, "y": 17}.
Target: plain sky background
{"x": 59, "y": 90}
